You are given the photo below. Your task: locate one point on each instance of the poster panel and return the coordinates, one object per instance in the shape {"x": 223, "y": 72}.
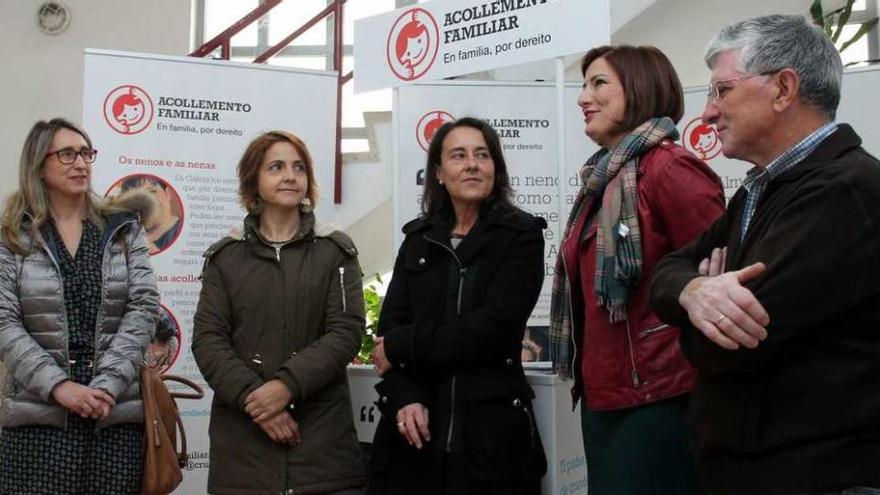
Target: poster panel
{"x": 447, "y": 38}
{"x": 176, "y": 127}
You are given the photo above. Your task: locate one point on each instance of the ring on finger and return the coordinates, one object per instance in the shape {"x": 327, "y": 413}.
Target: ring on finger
{"x": 720, "y": 318}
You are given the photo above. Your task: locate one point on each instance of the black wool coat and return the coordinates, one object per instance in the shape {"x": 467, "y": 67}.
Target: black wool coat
{"x": 453, "y": 322}
{"x": 801, "y": 412}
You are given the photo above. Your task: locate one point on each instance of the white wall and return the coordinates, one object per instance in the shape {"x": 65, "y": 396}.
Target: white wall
{"x": 683, "y": 28}
{"x": 41, "y": 75}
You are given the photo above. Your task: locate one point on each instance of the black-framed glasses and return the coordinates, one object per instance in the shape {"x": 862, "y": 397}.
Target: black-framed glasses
{"x": 717, "y": 88}
{"x": 68, "y": 155}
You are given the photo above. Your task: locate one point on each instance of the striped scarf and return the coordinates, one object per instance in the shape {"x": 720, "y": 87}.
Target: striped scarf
{"x": 618, "y": 239}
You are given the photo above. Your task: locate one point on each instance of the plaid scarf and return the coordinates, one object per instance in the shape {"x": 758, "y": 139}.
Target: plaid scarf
{"x": 618, "y": 239}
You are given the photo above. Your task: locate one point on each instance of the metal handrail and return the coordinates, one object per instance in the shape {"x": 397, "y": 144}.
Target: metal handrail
{"x": 222, "y": 40}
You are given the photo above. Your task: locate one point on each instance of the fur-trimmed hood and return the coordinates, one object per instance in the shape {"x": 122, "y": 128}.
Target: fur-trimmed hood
{"x": 136, "y": 201}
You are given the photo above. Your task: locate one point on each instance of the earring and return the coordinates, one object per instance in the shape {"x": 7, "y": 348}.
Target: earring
{"x": 257, "y": 205}
{"x": 305, "y": 205}
{"x": 440, "y": 181}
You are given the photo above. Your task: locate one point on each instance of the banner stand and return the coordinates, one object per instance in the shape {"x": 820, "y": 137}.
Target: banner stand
{"x": 560, "y": 150}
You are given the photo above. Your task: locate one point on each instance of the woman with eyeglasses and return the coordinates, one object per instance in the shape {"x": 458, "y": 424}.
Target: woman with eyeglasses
{"x": 78, "y": 302}
{"x": 642, "y": 195}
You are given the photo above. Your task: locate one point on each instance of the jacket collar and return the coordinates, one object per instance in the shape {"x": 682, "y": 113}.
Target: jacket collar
{"x": 251, "y": 232}
{"x": 491, "y": 218}
{"x": 840, "y": 142}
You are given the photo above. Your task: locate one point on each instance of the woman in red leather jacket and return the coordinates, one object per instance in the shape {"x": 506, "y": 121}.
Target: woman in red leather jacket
{"x": 642, "y": 196}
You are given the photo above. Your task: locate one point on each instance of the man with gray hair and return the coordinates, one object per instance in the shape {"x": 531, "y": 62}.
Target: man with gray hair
{"x": 779, "y": 301}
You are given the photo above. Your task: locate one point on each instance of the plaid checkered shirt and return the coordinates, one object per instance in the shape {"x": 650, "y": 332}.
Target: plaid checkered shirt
{"x": 758, "y": 179}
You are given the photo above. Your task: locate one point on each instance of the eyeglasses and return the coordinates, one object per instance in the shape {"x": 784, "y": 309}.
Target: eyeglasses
{"x": 718, "y": 88}
{"x": 68, "y": 155}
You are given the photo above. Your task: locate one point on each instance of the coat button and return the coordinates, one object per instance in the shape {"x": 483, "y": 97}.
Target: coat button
{"x": 384, "y": 399}
{"x": 292, "y": 354}
{"x": 508, "y": 361}
{"x": 421, "y": 261}
{"x": 517, "y": 403}
{"x": 402, "y": 364}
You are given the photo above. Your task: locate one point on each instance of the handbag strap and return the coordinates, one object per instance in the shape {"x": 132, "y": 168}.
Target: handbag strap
{"x": 197, "y": 393}
{"x": 182, "y": 457}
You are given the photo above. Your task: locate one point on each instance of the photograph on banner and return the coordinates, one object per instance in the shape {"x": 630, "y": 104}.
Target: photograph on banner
{"x": 164, "y": 227}
{"x": 446, "y": 38}
{"x": 176, "y": 128}
{"x": 165, "y": 342}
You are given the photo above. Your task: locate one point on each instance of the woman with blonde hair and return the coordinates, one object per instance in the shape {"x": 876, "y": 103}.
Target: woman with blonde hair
{"x": 78, "y": 301}
{"x": 280, "y": 315}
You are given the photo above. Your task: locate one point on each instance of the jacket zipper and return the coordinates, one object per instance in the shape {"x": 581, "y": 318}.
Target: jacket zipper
{"x": 653, "y": 330}
{"x": 531, "y": 425}
{"x": 632, "y": 357}
{"x": 461, "y": 273}
{"x": 342, "y": 286}
{"x": 571, "y": 315}
{"x": 101, "y": 304}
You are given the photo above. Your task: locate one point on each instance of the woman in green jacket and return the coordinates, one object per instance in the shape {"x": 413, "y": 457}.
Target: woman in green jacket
{"x": 280, "y": 316}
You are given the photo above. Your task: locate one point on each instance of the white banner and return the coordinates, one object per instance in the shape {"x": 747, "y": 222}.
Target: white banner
{"x": 447, "y": 38}
{"x": 177, "y": 127}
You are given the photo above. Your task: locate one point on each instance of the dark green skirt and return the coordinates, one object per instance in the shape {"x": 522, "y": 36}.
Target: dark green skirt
{"x": 640, "y": 451}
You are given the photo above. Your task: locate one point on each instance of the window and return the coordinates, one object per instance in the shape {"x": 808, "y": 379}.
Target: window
{"x": 867, "y": 48}
{"x": 312, "y": 50}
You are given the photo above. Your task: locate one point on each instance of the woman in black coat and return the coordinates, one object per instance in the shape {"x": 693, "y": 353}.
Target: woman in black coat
{"x": 456, "y": 409}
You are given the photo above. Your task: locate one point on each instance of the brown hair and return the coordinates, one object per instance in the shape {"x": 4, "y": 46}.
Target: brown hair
{"x": 249, "y": 167}
{"x": 650, "y": 83}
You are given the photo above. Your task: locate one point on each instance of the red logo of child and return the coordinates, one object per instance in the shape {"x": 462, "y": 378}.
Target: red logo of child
{"x": 412, "y": 44}
{"x": 128, "y": 109}
{"x": 701, "y": 139}
{"x": 428, "y": 125}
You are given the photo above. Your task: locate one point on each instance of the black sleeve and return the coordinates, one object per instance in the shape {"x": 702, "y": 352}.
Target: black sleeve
{"x": 819, "y": 254}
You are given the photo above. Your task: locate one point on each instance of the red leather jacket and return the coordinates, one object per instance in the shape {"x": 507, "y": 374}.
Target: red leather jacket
{"x": 639, "y": 361}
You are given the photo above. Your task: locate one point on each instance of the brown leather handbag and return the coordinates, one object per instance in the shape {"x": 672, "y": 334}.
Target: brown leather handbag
{"x": 162, "y": 430}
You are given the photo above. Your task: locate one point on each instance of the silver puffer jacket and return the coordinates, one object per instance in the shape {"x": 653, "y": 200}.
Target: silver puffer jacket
{"x": 33, "y": 324}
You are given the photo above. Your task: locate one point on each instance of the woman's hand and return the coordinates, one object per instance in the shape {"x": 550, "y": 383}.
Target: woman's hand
{"x": 266, "y": 401}
{"x": 86, "y": 401}
{"x": 412, "y": 423}
{"x": 282, "y": 428}
{"x": 380, "y": 361}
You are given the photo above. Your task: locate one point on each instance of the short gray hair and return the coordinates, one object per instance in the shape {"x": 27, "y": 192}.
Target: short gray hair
{"x": 774, "y": 42}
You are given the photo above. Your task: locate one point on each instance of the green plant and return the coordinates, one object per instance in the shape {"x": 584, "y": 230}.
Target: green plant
{"x": 372, "y": 307}
{"x": 832, "y": 23}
